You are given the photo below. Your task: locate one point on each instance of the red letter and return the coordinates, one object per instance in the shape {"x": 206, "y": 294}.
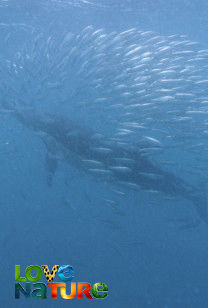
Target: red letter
{"x": 73, "y": 292}
{"x": 85, "y": 291}
{"x": 54, "y": 286}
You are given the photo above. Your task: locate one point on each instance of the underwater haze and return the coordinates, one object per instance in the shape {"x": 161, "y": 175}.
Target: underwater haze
{"x": 104, "y": 148}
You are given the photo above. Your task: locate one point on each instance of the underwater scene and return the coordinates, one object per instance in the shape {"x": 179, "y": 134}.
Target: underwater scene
{"x": 104, "y": 153}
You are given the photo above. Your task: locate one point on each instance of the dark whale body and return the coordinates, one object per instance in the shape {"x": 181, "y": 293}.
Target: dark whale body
{"x": 106, "y": 158}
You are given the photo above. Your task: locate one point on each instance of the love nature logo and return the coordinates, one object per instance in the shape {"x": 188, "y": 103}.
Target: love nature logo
{"x": 31, "y": 287}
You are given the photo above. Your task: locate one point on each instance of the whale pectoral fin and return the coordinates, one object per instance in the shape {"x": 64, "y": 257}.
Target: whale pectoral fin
{"x": 51, "y": 164}
{"x": 51, "y": 159}
{"x": 185, "y": 223}
{"x": 190, "y": 225}
{"x": 200, "y": 201}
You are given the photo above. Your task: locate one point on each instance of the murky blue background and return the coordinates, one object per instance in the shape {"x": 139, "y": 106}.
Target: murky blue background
{"x": 141, "y": 252}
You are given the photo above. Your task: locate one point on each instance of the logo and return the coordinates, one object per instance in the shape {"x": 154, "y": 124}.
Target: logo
{"x": 30, "y": 285}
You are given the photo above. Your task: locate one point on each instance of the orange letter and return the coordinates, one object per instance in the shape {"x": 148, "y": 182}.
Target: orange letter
{"x": 85, "y": 291}
{"x": 73, "y": 291}
{"x": 54, "y": 286}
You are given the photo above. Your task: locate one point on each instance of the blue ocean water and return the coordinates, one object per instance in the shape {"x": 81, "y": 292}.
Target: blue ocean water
{"x": 63, "y": 201}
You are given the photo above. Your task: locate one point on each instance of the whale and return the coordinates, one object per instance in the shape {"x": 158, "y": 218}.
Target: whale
{"x": 106, "y": 159}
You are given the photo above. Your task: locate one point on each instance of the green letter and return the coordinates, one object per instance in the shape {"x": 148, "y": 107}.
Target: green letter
{"x": 99, "y": 287}
{"x": 17, "y": 274}
{"x": 19, "y": 288}
{"x": 29, "y": 270}
{"x": 42, "y": 290}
